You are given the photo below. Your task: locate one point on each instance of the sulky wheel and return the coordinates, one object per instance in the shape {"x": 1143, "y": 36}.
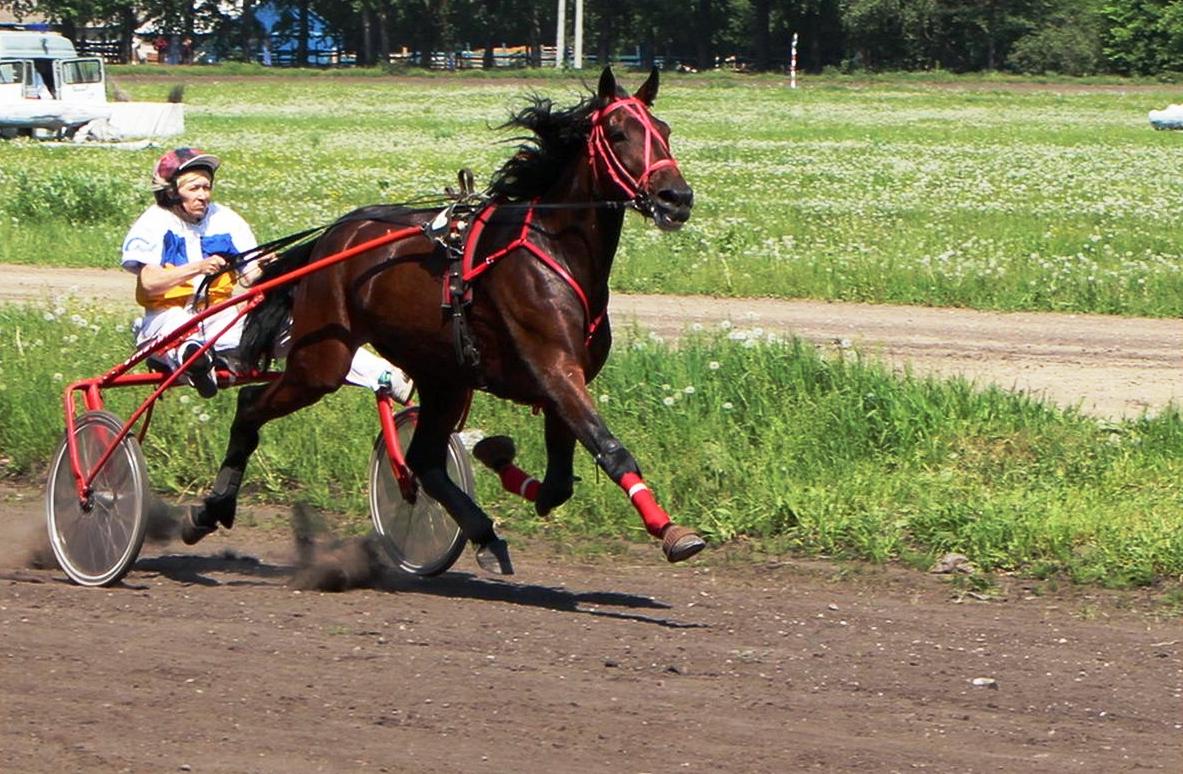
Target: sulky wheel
{"x": 420, "y": 537}
{"x": 97, "y": 542}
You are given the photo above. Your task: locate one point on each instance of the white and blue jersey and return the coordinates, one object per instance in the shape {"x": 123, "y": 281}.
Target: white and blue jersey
{"x": 159, "y": 237}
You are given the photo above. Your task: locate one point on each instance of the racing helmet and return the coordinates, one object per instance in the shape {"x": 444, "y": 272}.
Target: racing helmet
{"x": 173, "y": 163}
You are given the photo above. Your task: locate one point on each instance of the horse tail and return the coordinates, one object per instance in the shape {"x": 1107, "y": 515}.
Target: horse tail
{"x": 266, "y": 321}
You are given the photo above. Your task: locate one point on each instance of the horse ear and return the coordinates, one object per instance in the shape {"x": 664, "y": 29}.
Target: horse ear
{"x": 648, "y": 91}
{"x": 607, "y": 90}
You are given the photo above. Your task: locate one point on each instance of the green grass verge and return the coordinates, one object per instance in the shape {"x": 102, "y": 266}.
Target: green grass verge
{"x": 744, "y": 437}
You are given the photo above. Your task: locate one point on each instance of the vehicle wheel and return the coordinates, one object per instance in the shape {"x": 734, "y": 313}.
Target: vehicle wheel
{"x": 98, "y": 544}
{"x": 420, "y": 537}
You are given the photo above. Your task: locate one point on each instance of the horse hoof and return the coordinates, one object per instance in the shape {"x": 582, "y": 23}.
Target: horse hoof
{"x": 495, "y": 452}
{"x": 191, "y": 531}
{"x": 494, "y": 557}
{"x": 218, "y": 509}
{"x": 680, "y": 543}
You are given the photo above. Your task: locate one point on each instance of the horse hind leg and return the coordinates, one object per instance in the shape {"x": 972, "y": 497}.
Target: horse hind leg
{"x": 221, "y": 503}
{"x": 311, "y": 373}
{"x": 438, "y": 414}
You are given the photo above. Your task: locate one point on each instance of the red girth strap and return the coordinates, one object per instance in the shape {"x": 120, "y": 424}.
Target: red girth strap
{"x": 472, "y": 268}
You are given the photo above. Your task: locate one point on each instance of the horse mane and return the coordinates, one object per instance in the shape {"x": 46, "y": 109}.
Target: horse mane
{"x": 557, "y": 136}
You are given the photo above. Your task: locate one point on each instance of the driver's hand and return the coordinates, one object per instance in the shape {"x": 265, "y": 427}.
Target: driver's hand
{"x": 213, "y": 264}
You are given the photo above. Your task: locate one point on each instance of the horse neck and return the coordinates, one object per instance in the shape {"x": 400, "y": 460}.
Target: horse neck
{"x": 600, "y": 225}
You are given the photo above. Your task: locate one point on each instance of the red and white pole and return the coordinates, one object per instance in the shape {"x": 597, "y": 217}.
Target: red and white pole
{"x": 793, "y": 63}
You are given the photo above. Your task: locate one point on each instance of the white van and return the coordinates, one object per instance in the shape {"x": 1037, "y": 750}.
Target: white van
{"x": 45, "y": 65}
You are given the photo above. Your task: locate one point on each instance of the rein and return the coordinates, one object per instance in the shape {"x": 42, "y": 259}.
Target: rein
{"x": 451, "y": 227}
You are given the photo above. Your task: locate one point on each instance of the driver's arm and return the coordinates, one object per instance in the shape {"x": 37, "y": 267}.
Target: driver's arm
{"x": 157, "y": 279}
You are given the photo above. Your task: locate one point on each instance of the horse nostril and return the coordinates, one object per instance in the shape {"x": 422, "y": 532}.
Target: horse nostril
{"x": 679, "y": 197}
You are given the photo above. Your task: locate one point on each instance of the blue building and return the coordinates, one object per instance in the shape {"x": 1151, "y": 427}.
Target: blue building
{"x": 281, "y": 38}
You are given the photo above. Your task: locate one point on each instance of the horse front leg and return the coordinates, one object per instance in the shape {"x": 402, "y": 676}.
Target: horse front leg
{"x": 573, "y": 404}
{"x": 497, "y": 453}
{"x": 559, "y": 483}
{"x": 439, "y": 412}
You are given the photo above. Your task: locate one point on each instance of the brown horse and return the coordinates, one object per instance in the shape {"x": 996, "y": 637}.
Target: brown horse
{"x": 527, "y": 272}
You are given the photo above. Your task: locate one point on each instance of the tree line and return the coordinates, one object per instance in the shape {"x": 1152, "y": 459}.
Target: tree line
{"x": 1073, "y": 37}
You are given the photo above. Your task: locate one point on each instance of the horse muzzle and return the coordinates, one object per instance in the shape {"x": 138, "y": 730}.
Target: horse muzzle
{"x": 670, "y": 206}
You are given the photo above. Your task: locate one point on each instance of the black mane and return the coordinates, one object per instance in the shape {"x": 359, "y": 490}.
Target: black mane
{"x": 557, "y": 137}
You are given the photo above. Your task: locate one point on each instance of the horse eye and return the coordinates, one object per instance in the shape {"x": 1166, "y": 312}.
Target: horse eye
{"x": 617, "y": 135}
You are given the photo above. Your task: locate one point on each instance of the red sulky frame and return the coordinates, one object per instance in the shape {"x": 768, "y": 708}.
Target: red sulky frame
{"x": 91, "y": 389}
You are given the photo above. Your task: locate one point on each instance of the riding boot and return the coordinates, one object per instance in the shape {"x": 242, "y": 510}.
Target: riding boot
{"x": 201, "y": 373}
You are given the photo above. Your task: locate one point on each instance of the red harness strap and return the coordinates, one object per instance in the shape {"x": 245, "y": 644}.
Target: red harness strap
{"x": 604, "y": 162}
{"x": 471, "y": 268}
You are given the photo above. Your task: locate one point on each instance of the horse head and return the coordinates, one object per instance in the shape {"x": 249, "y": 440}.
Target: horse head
{"x": 629, "y": 152}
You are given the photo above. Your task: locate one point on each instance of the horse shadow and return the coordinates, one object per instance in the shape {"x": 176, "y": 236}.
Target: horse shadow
{"x": 197, "y": 569}
{"x": 251, "y": 571}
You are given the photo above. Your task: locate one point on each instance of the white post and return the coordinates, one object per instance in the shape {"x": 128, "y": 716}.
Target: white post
{"x": 793, "y": 64}
{"x": 578, "y": 34}
{"x": 561, "y": 34}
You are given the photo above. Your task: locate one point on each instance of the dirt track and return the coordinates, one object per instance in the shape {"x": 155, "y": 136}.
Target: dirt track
{"x": 208, "y": 659}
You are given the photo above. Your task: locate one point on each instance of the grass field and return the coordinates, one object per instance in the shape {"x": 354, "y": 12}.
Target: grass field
{"x": 745, "y": 437}
{"x": 1004, "y": 195}
{"x": 975, "y": 193}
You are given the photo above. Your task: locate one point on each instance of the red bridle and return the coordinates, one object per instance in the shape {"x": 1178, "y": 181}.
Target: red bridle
{"x": 604, "y": 160}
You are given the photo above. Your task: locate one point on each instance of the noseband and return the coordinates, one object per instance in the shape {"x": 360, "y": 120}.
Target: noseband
{"x": 604, "y": 160}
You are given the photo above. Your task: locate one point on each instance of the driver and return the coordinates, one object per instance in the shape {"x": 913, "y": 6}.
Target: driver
{"x": 180, "y": 240}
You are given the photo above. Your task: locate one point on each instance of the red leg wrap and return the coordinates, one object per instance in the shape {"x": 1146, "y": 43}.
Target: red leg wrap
{"x": 515, "y": 480}
{"x": 652, "y": 514}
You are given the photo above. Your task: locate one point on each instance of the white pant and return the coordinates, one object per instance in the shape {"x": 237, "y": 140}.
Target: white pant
{"x": 159, "y": 323}
{"x": 366, "y": 369}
